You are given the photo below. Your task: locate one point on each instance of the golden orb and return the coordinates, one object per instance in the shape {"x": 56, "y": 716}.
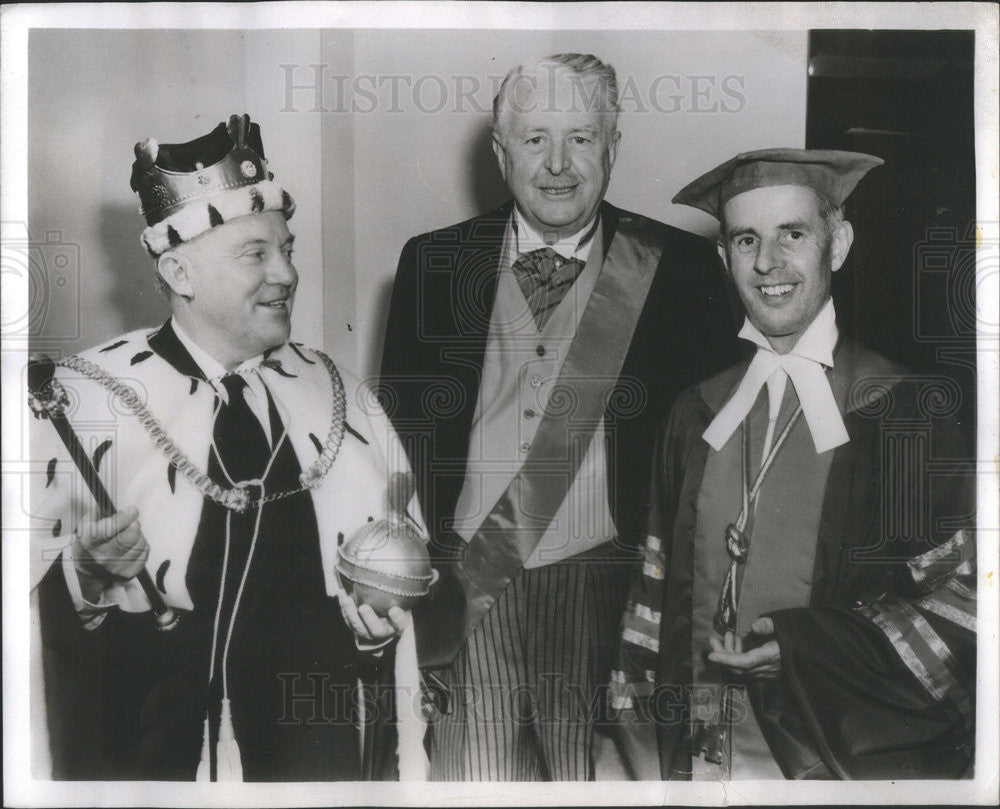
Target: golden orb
{"x": 385, "y": 564}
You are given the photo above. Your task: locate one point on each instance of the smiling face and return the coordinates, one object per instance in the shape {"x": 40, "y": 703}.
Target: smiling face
{"x": 234, "y": 286}
{"x": 556, "y": 148}
{"x": 782, "y": 255}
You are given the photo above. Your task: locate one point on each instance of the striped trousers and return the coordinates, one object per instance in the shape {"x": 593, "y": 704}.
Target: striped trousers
{"x": 524, "y": 689}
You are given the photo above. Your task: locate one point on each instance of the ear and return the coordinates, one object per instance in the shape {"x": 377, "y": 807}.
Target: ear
{"x": 501, "y": 155}
{"x": 175, "y": 268}
{"x": 722, "y": 253}
{"x": 613, "y": 147}
{"x": 840, "y": 244}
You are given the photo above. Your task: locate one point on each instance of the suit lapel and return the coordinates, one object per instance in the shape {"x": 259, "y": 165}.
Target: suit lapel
{"x": 470, "y": 298}
{"x": 477, "y": 270}
{"x": 476, "y": 273}
{"x": 609, "y": 224}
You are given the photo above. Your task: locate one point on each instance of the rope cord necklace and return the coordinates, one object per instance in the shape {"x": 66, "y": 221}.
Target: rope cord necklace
{"x": 738, "y": 547}
{"x": 228, "y": 764}
{"x": 236, "y": 498}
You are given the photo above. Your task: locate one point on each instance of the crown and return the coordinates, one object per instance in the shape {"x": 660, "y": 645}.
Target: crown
{"x": 169, "y": 175}
{"x": 187, "y": 188}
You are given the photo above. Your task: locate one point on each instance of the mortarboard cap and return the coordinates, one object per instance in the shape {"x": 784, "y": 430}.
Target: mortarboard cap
{"x": 831, "y": 174}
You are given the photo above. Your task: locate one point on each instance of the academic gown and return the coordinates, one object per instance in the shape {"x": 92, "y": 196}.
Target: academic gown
{"x": 861, "y": 694}
{"x": 125, "y": 700}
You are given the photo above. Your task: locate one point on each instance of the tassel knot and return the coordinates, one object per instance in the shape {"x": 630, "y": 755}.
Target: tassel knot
{"x": 205, "y": 765}
{"x": 227, "y": 752}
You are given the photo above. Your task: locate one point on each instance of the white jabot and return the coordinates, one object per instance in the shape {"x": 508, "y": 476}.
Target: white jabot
{"x": 255, "y": 392}
{"x": 804, "y": 365}
{"x": 775, "y": 391}
{"x": 574, "y": 246}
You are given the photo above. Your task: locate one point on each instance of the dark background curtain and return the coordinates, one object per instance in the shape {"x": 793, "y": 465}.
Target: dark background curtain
{"x": 908, "y": 287}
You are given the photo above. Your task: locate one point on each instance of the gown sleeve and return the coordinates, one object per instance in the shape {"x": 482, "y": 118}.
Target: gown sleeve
{"x": 629, "y": 748}
{"x": 885, "y": 690}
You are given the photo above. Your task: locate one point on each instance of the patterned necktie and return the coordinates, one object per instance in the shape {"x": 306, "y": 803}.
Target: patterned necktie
{"x": 544, "y": 277}
{"x": 239, "y": 437}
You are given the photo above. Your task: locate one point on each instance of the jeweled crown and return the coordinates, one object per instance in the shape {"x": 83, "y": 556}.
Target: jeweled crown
{"x": 168, "y": 176}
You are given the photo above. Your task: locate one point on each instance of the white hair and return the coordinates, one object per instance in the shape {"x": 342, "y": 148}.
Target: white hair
{"x": 585, "y": 66}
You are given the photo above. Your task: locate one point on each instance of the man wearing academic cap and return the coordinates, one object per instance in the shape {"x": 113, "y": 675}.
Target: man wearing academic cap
{"x": 806, "y": 607}
{"x": 237, "y": 461}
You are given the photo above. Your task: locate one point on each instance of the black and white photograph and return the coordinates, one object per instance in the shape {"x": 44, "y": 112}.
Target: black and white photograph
{"x": 415, "y": 403}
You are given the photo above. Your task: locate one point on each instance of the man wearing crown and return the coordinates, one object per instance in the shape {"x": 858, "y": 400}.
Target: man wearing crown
{"x": 237, "y": 461}
{"x": 806, "y": 605}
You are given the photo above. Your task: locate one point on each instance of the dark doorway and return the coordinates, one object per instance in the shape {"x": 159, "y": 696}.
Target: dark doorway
{"x": 908, "y": 288}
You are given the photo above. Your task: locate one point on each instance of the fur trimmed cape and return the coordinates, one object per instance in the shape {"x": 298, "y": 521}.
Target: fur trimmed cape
{"x": 138, "y": 474}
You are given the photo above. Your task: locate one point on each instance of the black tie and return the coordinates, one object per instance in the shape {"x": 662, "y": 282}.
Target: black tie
{"x": 544, "y": 277}
{"x": 240, "y": 440}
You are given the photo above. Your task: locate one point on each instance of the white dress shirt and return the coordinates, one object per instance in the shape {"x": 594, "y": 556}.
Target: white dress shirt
{"x": 255, "y": 393}
{"x": 526, "y": 239}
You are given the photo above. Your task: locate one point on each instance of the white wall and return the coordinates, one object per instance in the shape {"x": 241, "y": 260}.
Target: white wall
{"x": 418, "y": 170}
{"x": 92, "y": 95}
{"x": 367, "y": 169}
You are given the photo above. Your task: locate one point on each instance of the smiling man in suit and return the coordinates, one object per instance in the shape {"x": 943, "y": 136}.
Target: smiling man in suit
{"x": 529, "y": 353}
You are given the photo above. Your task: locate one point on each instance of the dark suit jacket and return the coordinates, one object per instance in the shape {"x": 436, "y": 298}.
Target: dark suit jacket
{"x": 435, "y": 342}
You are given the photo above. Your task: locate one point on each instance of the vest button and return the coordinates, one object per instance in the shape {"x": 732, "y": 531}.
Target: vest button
{"x": 529, "y": 413}
{"x": 535, "y": 381}
{"x": 540, "y": 351}
{"x": 525, "y": 446}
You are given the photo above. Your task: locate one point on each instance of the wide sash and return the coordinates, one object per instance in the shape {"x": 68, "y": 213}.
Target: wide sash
{"x": 510, "y": 532}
